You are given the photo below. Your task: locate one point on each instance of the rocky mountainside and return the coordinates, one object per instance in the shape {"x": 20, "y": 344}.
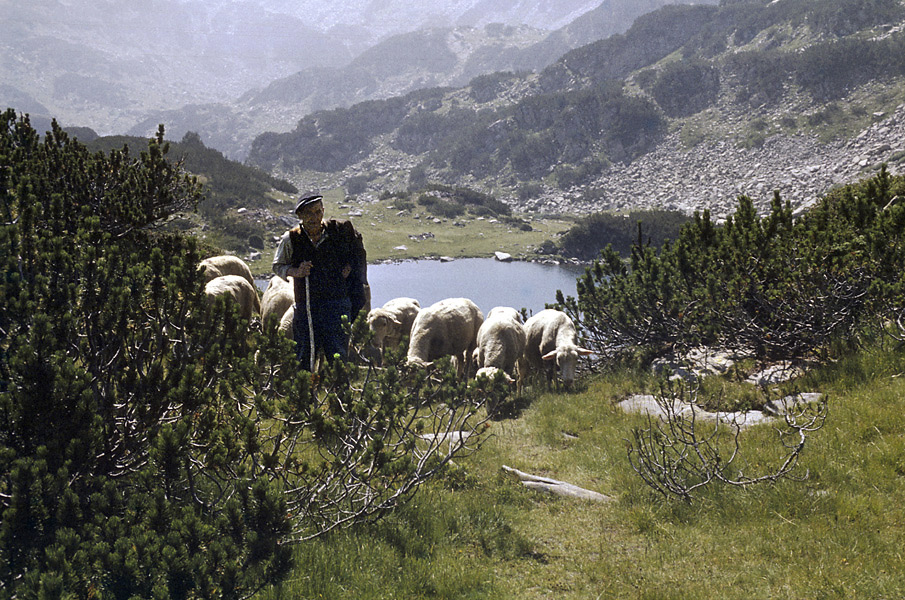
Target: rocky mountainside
{"x": 425, "y": 58}
{"x": 107, "y": 65}
{"x": 397, "y": 65}
{"x": 689, "y": 108}
{"x": 232, "y": 69}
{"x": 379, "y": 19}
{"x": 712, "y": 174}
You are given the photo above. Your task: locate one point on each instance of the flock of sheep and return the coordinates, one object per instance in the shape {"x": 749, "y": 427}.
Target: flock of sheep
{"x": 545, "y": 343}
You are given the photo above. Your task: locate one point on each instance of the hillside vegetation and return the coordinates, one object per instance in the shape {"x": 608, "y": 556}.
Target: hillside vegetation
{"x": 243, "y": 211}
{"x": 153, "y": 443}
{"x": 602, "y": 106}
{"x": 829, "y": 529}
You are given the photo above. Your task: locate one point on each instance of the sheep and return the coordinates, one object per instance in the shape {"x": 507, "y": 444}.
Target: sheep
{"x": 392, "y": 321}
{"x": 285, "y": 326}
{"x": 236, "y": 287}
{"x": 501, "y": 346}
{"x": 225, "y": 264}
{"x": 278, "y": 296}
{"x": 551, "y": 342}
{"x": 447, "y": 327}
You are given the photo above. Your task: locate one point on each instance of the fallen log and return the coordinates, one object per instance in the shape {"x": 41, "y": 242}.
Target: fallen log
{"x": 553, "y": 486}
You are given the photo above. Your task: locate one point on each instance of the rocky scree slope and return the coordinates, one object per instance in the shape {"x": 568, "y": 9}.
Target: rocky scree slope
{"x": 676, "y": 171}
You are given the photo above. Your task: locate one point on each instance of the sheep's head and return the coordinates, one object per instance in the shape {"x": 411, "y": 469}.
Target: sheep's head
{"x": 566, "y": 358}
{"x": 417, "y": 362}
{"x": 491, "y": 372}
{"x": 382, "y": 324}
{"x": 208, "y": 272}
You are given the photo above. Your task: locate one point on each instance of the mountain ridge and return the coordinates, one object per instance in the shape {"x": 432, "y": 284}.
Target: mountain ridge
{"x": 790, "y": 77}
{"x": 72, "y": 61}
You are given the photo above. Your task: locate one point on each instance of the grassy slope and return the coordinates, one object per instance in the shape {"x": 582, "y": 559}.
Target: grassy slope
{"x": 479, "y": 534}
{"x": 384, "y": 230}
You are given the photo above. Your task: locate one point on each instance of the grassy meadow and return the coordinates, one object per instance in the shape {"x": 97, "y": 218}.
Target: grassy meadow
{"x": 478, "y": 533}
{"x": 385, "y": 230}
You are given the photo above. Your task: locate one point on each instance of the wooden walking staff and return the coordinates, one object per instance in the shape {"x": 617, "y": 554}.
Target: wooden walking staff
{"x": 310, "y": 323}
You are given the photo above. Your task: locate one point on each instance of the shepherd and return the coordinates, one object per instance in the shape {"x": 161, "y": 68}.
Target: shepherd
{"x": 328, "y": 266}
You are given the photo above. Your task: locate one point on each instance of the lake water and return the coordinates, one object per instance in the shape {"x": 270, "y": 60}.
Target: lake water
{"x": 487, "y": 282}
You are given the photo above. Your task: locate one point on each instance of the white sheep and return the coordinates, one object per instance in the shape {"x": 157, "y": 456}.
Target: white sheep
{"x": 236, "y": 287}
{"x": 552, "y": 343}
{"x": 217, "y": 266}
{"x": 285, "y": 326}
{"x": 448, "y": 327}
{"x": 392, "y": 321}
{"x": 501, "y": 346}
{"x": 278, "y": 296}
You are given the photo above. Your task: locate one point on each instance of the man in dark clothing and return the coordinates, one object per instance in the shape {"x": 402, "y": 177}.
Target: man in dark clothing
{"x": 328, "y": 265}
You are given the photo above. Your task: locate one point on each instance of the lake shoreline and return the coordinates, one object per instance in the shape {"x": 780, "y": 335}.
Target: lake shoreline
{"x": 555, "y": 262}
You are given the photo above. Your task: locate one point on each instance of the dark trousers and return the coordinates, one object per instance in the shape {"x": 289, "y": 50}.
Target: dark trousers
{"x": 329, "y": 336}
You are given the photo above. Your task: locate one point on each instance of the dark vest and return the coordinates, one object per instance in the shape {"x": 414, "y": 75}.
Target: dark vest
{"x": 341, "y": 245}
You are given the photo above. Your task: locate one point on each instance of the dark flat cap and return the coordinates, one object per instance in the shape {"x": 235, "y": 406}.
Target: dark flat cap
{"x": 306, "y": 200}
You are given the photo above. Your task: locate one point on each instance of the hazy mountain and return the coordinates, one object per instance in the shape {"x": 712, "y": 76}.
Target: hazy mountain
{"x": 105, "y": 63}
{"x": 383, "y": 18}
{"x": 231, "y": 69}
{"x": 690, "y": 107}
{"x": 609, "y": 18}
{"x": 433, "y": 57}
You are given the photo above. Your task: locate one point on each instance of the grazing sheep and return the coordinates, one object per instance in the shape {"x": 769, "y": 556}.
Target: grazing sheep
{"x": 447, "y": 327}
{"x": 285, "y": 326}
{"x": 392, "y": 321}
{"x": 217, "y": 266}
{"x": 552, "y": 340}
{"x": 501, "y": 345}
{"x": 278, "y": 296}
{"x": 237, "y": 288}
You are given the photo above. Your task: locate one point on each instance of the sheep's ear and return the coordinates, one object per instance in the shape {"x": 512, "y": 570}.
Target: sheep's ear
{"x": 395, "y": 321}
{"x": 585, "y": 351}
{"x": 549, "y": 355}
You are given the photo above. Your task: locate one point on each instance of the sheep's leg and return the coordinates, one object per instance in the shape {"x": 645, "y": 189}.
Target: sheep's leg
{"x": 521, "y": 373}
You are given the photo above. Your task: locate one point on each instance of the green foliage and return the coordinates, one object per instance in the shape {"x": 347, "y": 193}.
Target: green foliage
{"x": 228, "y": 186}
{"x": 575, "y": 111}
{"x": 586, "y": 239}
{"x": 830, "y": 70}
{"x": 686, "y": 87}
{"x": 772, "y": 285}
{"x": 330, "y": 140}
{"x": 485, "y": 88}
{"x": 151, "y": 443}
{"x": 357, "y": 184}
{"x": 440, "y": 207}
{"x": 109, "y": 404}
{"x": 568, "y": 176}
{"x": 528, "y": 137}
{"x": 450, "y": 202}
{"x": 529, "y": 190}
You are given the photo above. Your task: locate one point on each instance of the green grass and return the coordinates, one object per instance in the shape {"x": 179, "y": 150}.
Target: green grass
{"x": 384, "y": 231}
{"x": 477, "y": 533}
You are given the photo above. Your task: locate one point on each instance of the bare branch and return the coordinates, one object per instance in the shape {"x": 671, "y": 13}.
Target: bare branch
{"x": 676, "y": 453}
